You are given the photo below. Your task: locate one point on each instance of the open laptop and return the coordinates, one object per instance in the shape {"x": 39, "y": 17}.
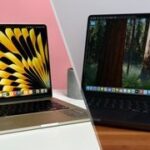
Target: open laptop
{"x": 116, "y": 70}
{"x": 26, "y": 100}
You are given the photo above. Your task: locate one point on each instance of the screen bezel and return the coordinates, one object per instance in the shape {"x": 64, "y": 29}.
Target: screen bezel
{"x": 87, "y": 93}
{"x": 37, "y": 96}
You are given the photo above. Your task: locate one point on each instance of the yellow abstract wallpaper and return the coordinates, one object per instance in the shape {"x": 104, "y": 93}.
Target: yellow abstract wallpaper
{"x": 24, "y": 60}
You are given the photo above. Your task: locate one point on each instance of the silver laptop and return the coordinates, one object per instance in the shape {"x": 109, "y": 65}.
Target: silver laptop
{"x": 26, "y": 100}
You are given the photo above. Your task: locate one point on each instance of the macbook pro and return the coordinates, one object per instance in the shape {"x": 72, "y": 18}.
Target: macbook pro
{"x": 116, "y": 70}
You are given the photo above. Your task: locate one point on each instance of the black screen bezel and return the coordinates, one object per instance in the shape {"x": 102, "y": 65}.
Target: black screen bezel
{"x": 29, "y": 97}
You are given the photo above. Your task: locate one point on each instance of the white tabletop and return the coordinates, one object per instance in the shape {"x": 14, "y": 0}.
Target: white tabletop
{"x": 79, "y": 136}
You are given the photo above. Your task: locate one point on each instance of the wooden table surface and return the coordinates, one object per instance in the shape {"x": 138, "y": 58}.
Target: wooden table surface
{"x": 123, "y": 139}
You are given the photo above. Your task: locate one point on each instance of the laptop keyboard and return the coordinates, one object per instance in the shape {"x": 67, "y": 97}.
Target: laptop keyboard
{"x": 119, "y": 104}
{"x": 30, "y": 107}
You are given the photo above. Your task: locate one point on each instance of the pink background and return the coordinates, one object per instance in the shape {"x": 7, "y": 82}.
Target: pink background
{"x": 40, "y": 11}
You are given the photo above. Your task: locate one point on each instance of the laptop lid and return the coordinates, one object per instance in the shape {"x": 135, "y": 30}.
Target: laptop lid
{"x": 24, "y": 62}
{"x": 117, "y": 55}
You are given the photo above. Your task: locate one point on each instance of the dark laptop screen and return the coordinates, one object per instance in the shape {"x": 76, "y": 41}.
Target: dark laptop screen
{"x": 117, "y": 54}
{"x": 24, "y": 61}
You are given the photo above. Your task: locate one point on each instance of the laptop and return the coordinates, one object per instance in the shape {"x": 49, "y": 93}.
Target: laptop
{"x": 116, "y": 70}
{"x": 26, "y": 100}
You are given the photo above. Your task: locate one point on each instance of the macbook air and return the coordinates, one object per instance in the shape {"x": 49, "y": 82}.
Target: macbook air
{"x": 26, "y": 100}
{"x": 116, "y": 70}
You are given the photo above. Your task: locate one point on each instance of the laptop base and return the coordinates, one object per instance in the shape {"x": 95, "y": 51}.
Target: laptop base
{"x": 67, "y": 115}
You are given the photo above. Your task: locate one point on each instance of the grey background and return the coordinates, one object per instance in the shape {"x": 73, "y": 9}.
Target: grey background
{"x": 72, "y": 18}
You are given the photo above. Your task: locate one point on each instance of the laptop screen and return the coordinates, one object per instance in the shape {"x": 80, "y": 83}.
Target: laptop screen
{"x": 24, "y": 61}
{"x": 117, "y": 54}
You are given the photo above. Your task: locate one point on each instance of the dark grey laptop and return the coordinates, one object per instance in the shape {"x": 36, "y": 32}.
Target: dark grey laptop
{"x": 26, "y": 100}
{"x": 116, "y": 71}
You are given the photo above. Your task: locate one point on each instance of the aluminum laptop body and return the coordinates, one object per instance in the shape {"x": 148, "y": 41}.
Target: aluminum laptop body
{"x": 26, "y": 100}
{"x": 116, "y": 70}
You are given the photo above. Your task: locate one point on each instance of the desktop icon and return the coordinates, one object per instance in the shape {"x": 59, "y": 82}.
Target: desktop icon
{"x": 141, "y": 92}
{"x": 120, "y": 90}
{"x": 94, "y": 88}
{"x": 42, "y": 90}
{"x": 5, "y": 94}
{"x": 133, "y": 91}
{"x": 105, "y": 89}
{"x": 12, "y": 93}
{"x": 101, "y": 89}
{"x": 46, "y": 90}
{"x": 113, "y": 90}
{"x": 117, "y": 90}
{"x": 125, "y": 91}
{"x": 87, "y": 88}
{"x": 98, "y": 89}
{"x": 137, "y": 91}
{"x": 109, "y": 89}
{"x": 129, "y": 91}
{"x": 26, "y": 92}
{"x": 30, "y": 92}
{"x": 145, "y": 92}
{"x": 37, "y": 91}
